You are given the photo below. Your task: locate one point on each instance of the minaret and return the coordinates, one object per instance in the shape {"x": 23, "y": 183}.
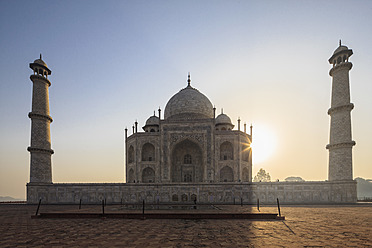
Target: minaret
{"x": 40, "y": 149}
{"x": 340, "y": 141}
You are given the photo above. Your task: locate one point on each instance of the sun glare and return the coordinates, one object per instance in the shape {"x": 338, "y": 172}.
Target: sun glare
{"x": 263, "y": 144}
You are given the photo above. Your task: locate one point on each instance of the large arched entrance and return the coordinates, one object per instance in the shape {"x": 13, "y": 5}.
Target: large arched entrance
{"x": 187, "y": 162}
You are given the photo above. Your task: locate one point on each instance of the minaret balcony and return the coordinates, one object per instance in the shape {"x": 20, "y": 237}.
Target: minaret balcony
{"x": 32, "y": 115}
{"x": 347, "y": 107}
{"x": 341, "y": 66}
{"x": 40, "y": 78}
{"x": 341, "y": 145}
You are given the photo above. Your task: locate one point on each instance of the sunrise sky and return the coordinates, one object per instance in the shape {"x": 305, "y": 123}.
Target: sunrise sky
{"x": 114, "y": 62}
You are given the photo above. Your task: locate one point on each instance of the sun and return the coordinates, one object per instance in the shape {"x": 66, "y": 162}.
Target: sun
{"x": 263, "y": 145}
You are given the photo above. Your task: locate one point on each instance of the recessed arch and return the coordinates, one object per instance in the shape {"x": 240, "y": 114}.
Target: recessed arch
{"x": 226, "y": 174}
{"x": 148, "y": 175}
{"x": 245, "y": 152}
{"x": 245, "y": 175}
{"x": 184, "y": 197}
{"x": 226, "y": 151}
{"x": 131, "y": 176}
{"x": 193, "y": 198}
{"x": 174, "y": 197}
{"x": 148, "y": 152}
{"x": 131, "y": 154}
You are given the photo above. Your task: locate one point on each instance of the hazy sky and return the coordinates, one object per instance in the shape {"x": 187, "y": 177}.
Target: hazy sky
{"x": 114, "y": 62}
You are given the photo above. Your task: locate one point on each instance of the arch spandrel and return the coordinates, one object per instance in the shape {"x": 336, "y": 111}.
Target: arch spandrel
{"x": 176, "y": 138}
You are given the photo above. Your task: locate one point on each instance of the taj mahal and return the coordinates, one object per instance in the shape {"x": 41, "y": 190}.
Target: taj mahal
{"x": 190, "y": 145}
{"x": 194, "y": 154}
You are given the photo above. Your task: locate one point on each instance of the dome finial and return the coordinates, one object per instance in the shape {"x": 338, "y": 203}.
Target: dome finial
{"x": 188, "y": 80}
{"x": 340, "y": 42}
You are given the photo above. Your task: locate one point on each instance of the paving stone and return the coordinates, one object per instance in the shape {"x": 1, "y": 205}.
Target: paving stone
{"x": 305, "y": 226}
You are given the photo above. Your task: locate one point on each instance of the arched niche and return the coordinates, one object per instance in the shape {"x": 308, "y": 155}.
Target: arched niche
{"x": 131, "y": 177}
{"x": 245, "y": 175}
{"x": 174, "y": 197}
{"x": 245, "y": 152}
{"x": 148, "y": 152}
{"x": 226, "y": 174}
{"x": 148, "y": 175}
{"x": 131, "y": 154}
{"x": 226, "y": 151}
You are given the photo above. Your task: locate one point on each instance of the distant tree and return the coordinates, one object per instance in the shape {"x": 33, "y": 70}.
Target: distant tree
{"x": 8, "y": 199}
{"x": 364, "y": 187}
{"x": 262, "y": 176}
{"x": 294, "y": 179}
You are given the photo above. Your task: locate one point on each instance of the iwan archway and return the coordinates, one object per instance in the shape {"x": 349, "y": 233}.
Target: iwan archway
{"x": 187, "y": 162}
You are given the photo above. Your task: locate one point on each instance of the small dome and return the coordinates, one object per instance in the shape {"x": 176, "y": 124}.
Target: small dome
{"x": 153, "y": 120}
{"x": 40, "y": 62}
{"x": 341, "y": 48}
{"x": 223, "y": 119}
{"x": 188, "y": 103}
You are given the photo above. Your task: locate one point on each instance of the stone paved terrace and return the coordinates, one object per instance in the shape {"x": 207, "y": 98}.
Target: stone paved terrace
{"x": 305, "y": 226}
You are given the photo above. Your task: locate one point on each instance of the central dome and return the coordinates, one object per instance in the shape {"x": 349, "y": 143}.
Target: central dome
{"x": 188, "y": 103}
